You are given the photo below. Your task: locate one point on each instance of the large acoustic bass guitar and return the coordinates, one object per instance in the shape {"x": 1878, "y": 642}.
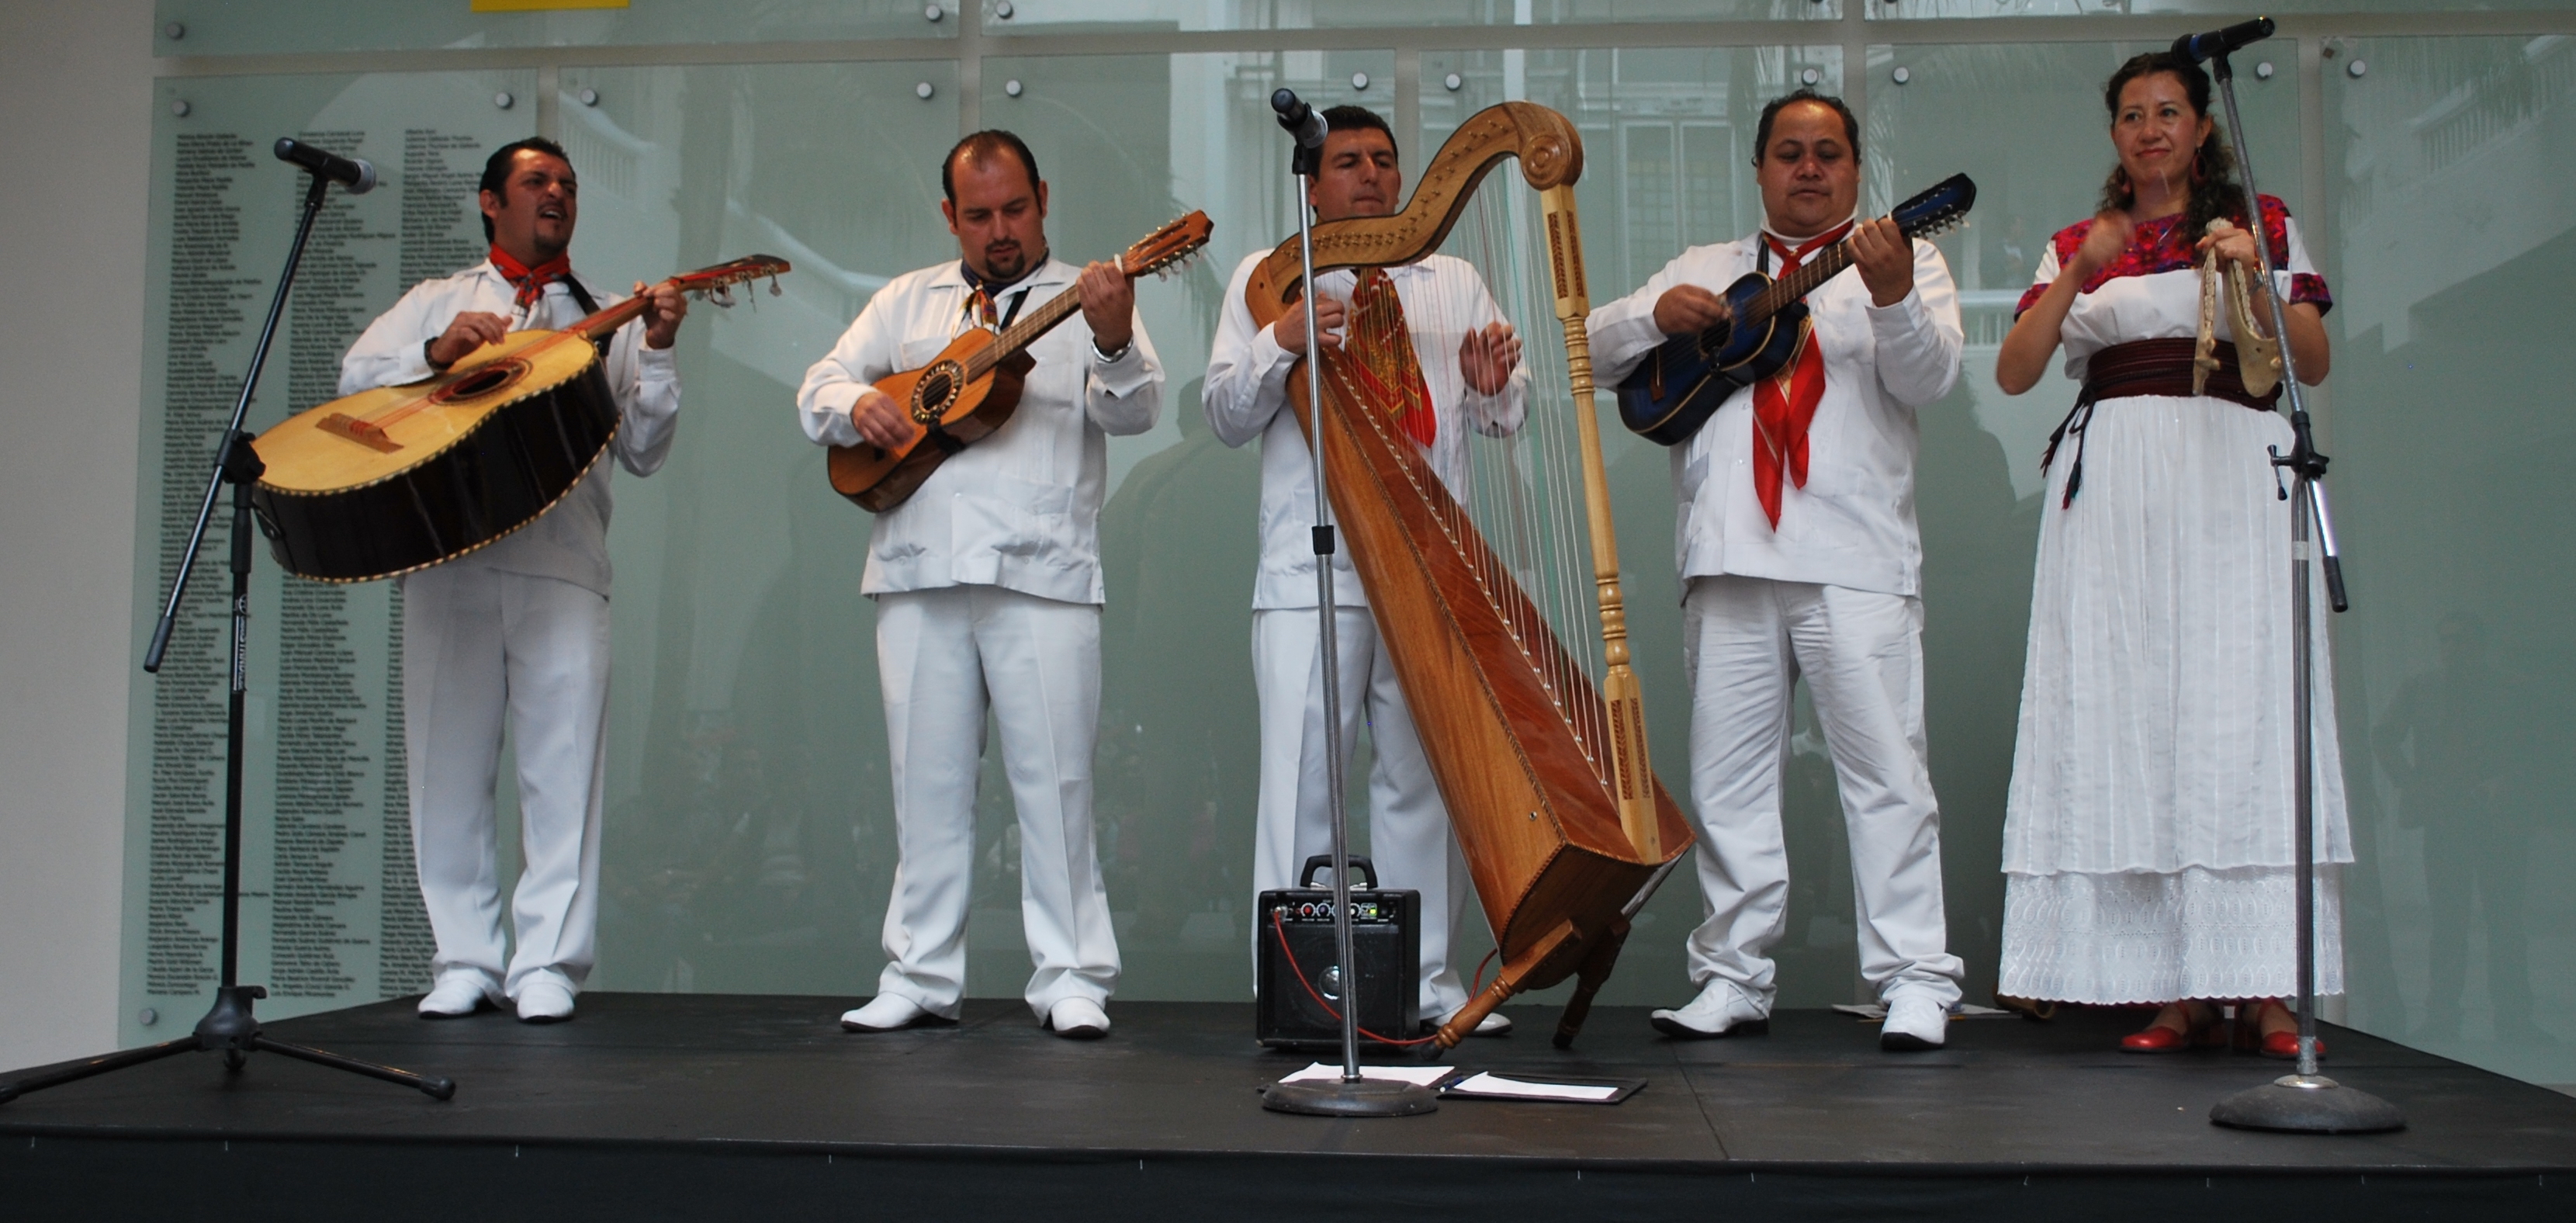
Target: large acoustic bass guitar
{"x": 399, "y": 478}
{"x": 971, "y": 388}
{"x": 1683, "y": 381}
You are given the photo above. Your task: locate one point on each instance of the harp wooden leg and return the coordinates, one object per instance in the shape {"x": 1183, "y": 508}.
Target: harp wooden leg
{"x": 1587, "y": 982}
{"x": 1474, "y": 1012}
{"x": 1534, "y": 962}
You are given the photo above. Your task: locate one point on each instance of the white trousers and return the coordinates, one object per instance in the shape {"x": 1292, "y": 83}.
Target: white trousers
{"x": 1746, "y": 642}
{"x": 481, "y": 645}
{"x": 1409, "y": 839}
{"x": 944, "y": 658}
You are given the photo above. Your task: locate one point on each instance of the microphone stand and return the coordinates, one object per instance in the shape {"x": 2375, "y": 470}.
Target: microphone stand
{"x": 2304, "y": 1101}
{"x": 1351, "y": 1095}
{"x": 230, "y": 1027}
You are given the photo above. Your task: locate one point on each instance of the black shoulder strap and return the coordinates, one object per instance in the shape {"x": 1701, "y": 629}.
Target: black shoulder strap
{"x": 589, "y": 306}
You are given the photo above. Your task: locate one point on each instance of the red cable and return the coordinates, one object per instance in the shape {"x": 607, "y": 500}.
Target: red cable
{"x": 1279, "y": 925}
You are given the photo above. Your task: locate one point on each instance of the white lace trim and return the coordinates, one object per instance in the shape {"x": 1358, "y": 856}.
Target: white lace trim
{"x": 2141, "y": 937}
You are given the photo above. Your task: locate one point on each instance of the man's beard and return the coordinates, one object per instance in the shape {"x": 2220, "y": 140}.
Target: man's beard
{"x": 1008, "y": 267}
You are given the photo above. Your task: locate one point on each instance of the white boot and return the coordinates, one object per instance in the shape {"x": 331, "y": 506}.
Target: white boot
{"x": 1915, "y": 1024}
{"x": 887, "y": 1012}
{"x": 545, "y": 997}
{"x": 458, "y": 993}
{"x": 1078, "y": 1019}
{"x": 1720, "y": 1010}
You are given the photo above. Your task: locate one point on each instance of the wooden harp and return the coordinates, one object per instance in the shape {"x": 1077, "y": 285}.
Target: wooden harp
{"x": 1499, "y": 600}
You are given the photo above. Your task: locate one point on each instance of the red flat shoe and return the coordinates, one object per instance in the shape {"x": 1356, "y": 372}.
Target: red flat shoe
{"x": 2250, "y": 1035}
{"x": 2157, "y": 1038}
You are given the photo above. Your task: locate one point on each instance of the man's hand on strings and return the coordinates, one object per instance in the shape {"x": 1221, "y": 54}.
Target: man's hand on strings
{"x": 1886, "y": 260}
{"x": 664, "y": 306}
{"x": 1488, "y": 356}
{"x": 1290, "y": 331}
{"x": 473, "y": 329}
{"x": 1108, "y": 305}
{"x": 1690, "y": 309}
{"x": 880, "y": 420}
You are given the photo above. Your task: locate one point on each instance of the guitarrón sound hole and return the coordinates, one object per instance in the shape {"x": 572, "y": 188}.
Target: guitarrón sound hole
{"x": 483, "y": 381}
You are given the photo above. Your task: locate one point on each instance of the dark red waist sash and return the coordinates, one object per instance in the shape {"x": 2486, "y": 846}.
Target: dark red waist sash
{"x": 2163, "y": 367}
{"x": 2146, "y": 367}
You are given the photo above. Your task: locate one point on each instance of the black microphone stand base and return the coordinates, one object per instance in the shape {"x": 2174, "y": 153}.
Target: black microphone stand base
{"x": 2307, "y": 1104}
{"x": 1341, "y": 1098}
{"x": 229, "y": 1028}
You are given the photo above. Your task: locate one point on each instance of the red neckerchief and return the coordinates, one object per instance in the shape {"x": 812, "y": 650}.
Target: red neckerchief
{"x": 531, "y": 282}
{"x": 1784, "y": 404}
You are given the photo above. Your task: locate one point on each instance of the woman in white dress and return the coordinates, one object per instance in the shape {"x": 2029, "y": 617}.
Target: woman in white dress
{"x": 2148, "y": 837}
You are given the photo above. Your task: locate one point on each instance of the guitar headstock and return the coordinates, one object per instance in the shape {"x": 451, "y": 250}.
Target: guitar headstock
{"x": 1160, "y": 251}
{"x": 714, "y": 283}
{"x": 1943, "y": 205}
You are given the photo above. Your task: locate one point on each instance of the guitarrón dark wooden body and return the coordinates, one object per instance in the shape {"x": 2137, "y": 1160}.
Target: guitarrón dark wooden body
{"x": 1684, "y": 380}
{"x": 491, "y": 482}
{"x": 399, "y": 478}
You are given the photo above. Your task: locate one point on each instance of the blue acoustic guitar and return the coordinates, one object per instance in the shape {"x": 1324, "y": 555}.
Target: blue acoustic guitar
{"x": 1681, "y": 383}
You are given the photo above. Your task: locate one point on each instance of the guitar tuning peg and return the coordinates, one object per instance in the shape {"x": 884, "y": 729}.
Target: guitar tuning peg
{"x": 774, "y": 290}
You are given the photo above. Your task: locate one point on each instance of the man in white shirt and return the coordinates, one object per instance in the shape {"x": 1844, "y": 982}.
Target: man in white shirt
{"x": 1469, "y": 363}
{"x": 1799, "y": 553}
{"x": 517, "y": 630}
{"x": 988, "y": 592}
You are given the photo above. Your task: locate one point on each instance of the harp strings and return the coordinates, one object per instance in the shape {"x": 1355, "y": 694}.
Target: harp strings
{"x": 1516, "y": 476}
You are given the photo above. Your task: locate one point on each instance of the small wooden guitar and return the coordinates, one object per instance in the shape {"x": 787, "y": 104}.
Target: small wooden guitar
{"x": 974, "y": 384}
{"x": 402, "y": 477}
{"x": 1683, "y": 381}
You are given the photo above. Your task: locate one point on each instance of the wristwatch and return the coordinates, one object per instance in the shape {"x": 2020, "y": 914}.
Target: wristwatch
{"x": 1108, "y": 358}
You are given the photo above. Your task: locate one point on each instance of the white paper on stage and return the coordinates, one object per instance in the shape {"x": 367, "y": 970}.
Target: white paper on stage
{"x": 1419, "y": 1076}
{"x": 1491, "y": 1085}
{"x": 1876, "y": 1012}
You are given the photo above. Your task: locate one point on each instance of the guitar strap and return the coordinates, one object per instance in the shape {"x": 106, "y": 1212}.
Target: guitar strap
{"x": 589, "y": 306}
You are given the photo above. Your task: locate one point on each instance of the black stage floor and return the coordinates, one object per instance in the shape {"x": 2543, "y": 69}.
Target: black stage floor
{"x": 667, "y": 1106}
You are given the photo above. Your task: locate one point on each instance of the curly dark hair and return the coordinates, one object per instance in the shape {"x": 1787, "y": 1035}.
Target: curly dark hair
{"x": 2214, "y": 190}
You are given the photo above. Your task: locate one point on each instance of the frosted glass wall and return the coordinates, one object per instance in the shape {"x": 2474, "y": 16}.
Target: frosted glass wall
{"x": 749, "y": 844}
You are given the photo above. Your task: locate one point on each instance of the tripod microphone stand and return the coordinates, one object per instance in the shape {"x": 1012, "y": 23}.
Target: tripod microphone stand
{"x": 1350, "y": 1095}
{"x": 230, "y": 1026}
{"x": 2304, "y": 1101}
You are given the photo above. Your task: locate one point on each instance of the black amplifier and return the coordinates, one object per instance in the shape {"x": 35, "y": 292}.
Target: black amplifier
{"x": 1386, "y": 940}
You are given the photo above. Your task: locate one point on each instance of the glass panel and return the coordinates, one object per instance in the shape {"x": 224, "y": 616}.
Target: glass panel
{"x": 1091, "y": 16}
{"x": 269, "y": 27}
{"x": 2454, "y": 220}
{"x": 749, "y": 845}
{"x": 2223, "y": 11}
{"x": 331, "y": 913}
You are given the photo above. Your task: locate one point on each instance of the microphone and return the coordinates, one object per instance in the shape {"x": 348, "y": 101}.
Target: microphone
{"x": 1303, "y": 122}
{"x": 351, "y": 172}
{"x": 2198, "y": 47}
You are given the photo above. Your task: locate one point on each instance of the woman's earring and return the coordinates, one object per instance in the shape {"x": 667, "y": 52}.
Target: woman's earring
{"x": 2198, "y": 174}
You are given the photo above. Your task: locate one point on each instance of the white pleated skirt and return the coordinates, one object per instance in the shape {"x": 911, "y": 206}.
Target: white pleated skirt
{"x": 2149, "y": 839}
